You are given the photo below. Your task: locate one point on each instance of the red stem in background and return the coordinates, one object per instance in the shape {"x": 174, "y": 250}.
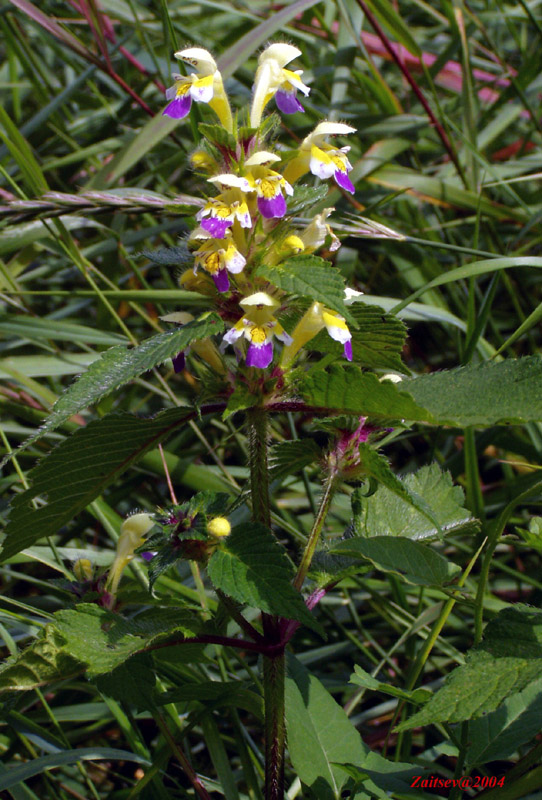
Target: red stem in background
{"x": 414, "y": 86}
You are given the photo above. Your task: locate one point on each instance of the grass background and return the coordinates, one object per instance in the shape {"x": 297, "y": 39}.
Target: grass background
{"x": 446, "y": 98}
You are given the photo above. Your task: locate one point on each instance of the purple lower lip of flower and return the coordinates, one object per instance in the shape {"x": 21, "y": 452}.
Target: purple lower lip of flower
{"x": 347, "y": 350}
{"x": 261, "y": 356}
{"x": 344, "y": 181}
{"x": 270, "y": 207}
{"x": 178, "y": 108}
{"x": 216, "y": 227}
{"x": 222, "y": 282}
{"x": 147, "y": 555}
{"x": 287, "y": 102}
{"x": 179, "y": 362}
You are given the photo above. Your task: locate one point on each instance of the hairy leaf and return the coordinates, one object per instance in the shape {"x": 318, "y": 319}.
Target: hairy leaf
{"x": 310, "y": 276}
{"x": 103, "y": 640}
{"x": 482, "y": 394}
{"x": 288, "y": 458}
{"x": 348, "y": 390}
{"x": 507, "y": 660}
{"x": 253, "y": 568}
{"x": 415, "y": 562}
{"x": 79, "y": 469}
{"x": 321, "y": 737}
{"x": 498, "y": 735}
{"x": 121, "y": 364}
{"x": 376, "y": 466}
{"x": 44, "y": 661}
{"x": 385, "y": 513}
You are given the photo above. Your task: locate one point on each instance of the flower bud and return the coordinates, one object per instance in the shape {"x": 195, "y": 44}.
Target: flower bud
{"x": 83, "y": 569}
{"x": 218, "y": 527}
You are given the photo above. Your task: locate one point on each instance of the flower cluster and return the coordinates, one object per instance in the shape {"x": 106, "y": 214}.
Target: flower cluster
{"x": 244, "y": 226}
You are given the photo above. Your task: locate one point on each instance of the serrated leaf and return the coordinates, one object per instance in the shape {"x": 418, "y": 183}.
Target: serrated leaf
{"x": 515, "y": 722}
{"x": 253, "y": 568}
{"x": 218, "y": 135}
{"x": 119, "y": 365}
{"x": 363, "y": 678}
{"x": 348, "y": 390}
{"x": 507, "y": 660}
{"x": 103, "y": 640}
{"x": 376, "y": 466}
{"x": 377, "y": 342}
{"x": 79, "y": 469}
{"x": 306, "y": 197}
{"x": 415, "y": 562}
{"x": 310, "y": 276}
{"x": 42, "y": 662}
{"x": 131, "y": 682}
{"x": 241, "y": 399}
{"x": 385, "y": 513}
{"x": 288, "y": 458}
{"x": 321, "y": 737}
{"x": 481, "y": 394}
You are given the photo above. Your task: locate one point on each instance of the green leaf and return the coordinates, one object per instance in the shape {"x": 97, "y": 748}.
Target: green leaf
{"x": 377, "y": 342}
{"x": 44, "y": 661}
{"x": 482, "y": 394}
{"x": 321, "y": 737}
{"x": 507, "y": 660}
{"x": 376, "y": 466}
{"x": 289, "y": 458}
{"x": 253, "y": 568}
{"x": 312, "y": 277}
{"x": 415, "y": 562}
{"x": 132, "y": 682}
{"x": 385, "y": 513}
{"x": 362, "y": 678}
{"x": 239, "y": 400}
{"x": 305, "y": 197}
{"x": 79, "y": 469}
{"x": 218, "y": 135}
{"x": 119, "y": 365}
{"x": 498, "y": 735}
{"x": 103, "y": 640}
{"x": 348, "y": 390}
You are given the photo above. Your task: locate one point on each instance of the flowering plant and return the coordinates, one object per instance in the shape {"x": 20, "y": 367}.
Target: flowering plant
{"x": 276, "y": 334}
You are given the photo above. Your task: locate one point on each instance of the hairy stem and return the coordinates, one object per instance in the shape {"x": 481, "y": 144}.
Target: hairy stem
{"x": 325, "y": 502}
{"x": 273, "y": 662}
{"x": 259, "y": 476}
{"x": 275, "y": 725}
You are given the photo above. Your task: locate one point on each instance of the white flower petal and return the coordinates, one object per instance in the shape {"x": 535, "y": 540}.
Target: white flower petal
{"x": 235, "y": 263}
{"x": 200, "y": 59}
{"x": 340, "y": 334}
{"x": 261, "y": 157}
{"x": 280, "y": 52}
{"x": 259, "y": 299}
{"x": 320, "y": 169}
{"x": 202, "y": 94}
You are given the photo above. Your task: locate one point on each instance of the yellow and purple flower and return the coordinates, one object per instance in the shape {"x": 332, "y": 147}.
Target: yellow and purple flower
{"x": 272, "y": 79}
{"x": 258, "y": 326}
{"x": 315, "y": 320}
{"x": 219, "y": 213}
{"x": 218, "y": 257}
{"x": 322, "y": 159}
{"x": 204, "y": 86}
{"x": 264, "y": 181}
